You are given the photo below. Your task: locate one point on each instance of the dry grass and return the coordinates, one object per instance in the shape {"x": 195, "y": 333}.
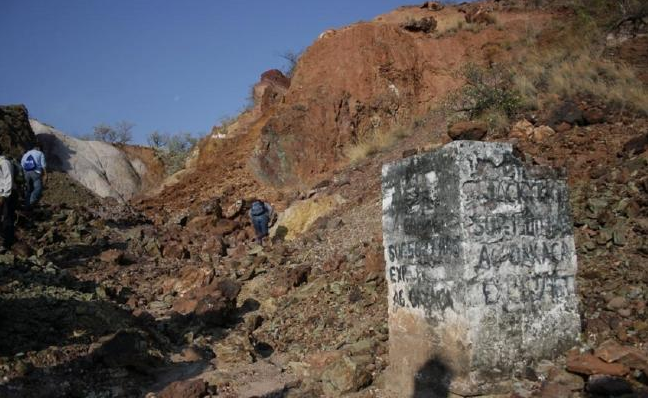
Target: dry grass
{"x": 450, "y": 21}
{"x": 573, "y": 64}
{"x": 497, "y": 121}
{"x": 374, "y": 143}
{"x": 568, "y": 72}
{"x": 528, "y": 92}
{"x": 369, "y": 145}
{"x": 460, "y": 26}
{"x": 454, "y": 23}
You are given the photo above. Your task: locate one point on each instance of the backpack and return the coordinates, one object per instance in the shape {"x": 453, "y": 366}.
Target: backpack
{"x": 18, "y": 176}
{"x": 30, "y": 163}
{"x": 257, "y": 208}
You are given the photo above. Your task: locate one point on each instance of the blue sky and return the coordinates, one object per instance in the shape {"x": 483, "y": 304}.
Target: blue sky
{"x": 163, "y": 65}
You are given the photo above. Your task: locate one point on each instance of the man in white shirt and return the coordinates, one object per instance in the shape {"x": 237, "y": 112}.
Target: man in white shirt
{"x": 7, "y": 203}
{"x": 35, "y": 167}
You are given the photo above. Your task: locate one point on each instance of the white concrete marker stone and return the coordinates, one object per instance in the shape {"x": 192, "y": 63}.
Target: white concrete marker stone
{"x": 481, "y": 269}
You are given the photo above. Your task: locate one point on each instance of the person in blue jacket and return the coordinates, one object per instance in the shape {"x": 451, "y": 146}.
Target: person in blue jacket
{"x": 260, "y": 214}
{"x": 35, "y": 171}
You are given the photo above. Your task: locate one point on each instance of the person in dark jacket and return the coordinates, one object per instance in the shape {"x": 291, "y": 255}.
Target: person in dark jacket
{"x": 260, "y": 214}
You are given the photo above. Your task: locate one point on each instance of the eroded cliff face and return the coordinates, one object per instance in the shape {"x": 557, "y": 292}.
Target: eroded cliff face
{"x": 147, "y": 164}
{"x": 16, "y": 135}
{"x": 366, "y": 78}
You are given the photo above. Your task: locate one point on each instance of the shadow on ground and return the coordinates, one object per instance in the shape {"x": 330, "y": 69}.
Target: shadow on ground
{"x": 433, "y": 379}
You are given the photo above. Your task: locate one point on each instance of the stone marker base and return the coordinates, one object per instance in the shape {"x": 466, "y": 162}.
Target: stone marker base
{"x": 437, "y": 372}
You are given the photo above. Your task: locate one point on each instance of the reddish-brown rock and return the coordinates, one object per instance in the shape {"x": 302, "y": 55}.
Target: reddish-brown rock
{"x": 201, "y": 223}
{"x": 589, "y": 364}
{"x": 374, "y": 260}
{"x": 21, "y": 250}
{"x": 214, "y": 310}
{"x": 214, "y": 245}
{"x": 175, "y": 250}
{"x": 112, "y": 256}
{"x": 278, "y": 291}
{"x": 333, "y": 264}
{"x": 270, "y": 89}
{"x": 572, "y": 381}
{"x": 553, "y": 390}
{"x": 610, "y": 351}
{"x": 636, "y": 145}
{"x": 632, "y": 357}
{"x": 234, "y": 209}
{"x": 212, "y": 304}
{"x": 298, "y": 275}
{"x": 563, "y": 127}
{"x": 185, "y": 305}
{"x": 185, "y": 389}
{"x": 366, "y": 78}
{"x": 319, "y": 361}
{"x": 425, "y": 25}
{"x": 593, "y": 116}
{"x": 225, "y": 227}
{"x": 635, "y": 359}
{"x": 467, "y": 130}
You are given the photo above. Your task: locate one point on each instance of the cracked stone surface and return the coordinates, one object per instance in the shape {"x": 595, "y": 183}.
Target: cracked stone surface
{"x": 481, "y": 266}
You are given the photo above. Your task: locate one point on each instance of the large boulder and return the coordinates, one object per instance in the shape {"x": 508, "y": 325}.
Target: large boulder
{"x": 266, "y": 94}
{"x": 301, "y": 215}
{"x": 101, "y": 167}
{"x": 566, "y": 112}
{"x": 16, "y": 135}
{"x": 468, "y": 130}
{"x": 425, "y": 25}
{"x": 270, "y": 89}
{"x": 212, "y": 305}
{"x": 185, "y": 389}
{"x": 128, "y": 348}
{"x": 347, "y": 374}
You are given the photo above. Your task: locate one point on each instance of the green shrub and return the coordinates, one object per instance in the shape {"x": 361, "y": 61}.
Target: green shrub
{"x": 487, "y": 89}
{"x": 120, "y": 133}
{"x": 173, "y": 149}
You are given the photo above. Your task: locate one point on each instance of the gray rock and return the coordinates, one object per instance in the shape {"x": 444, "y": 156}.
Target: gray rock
{"x": 347, "y": 374}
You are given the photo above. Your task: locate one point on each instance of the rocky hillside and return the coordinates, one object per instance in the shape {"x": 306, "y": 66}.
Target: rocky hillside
{"x": 171, "y": 297}
{"x": 16, "y": 135}
{"x": 371, "y": 77}
{"x": 351, "y": 84}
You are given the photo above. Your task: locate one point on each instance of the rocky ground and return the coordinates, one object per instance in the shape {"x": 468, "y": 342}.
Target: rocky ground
{"x": 106, "y": 300}
{"x": 169, "y": 296}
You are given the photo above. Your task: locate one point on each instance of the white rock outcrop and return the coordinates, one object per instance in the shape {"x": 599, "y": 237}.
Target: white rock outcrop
{"x": 99, "y": 166}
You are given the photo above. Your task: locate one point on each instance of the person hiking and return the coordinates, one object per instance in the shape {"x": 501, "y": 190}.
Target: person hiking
{"x": 35, "y": 167}
{"x": 8, "y": 199}
{"x": 260, "y": 214}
